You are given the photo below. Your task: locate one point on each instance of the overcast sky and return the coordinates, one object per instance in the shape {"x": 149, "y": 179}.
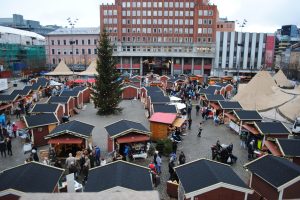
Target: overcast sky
{"x": 262, "y": 15}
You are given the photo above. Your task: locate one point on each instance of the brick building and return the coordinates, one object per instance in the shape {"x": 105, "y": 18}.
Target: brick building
{"x": 168, "y": 37}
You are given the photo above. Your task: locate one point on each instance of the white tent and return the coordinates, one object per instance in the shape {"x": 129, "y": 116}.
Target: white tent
{"x": 61, "y": 70}
{"x": 261, "y": 93}
{"x": 282, "y": 81}
{"x": 91, "y": 70}
{"x": 291, "y": 110}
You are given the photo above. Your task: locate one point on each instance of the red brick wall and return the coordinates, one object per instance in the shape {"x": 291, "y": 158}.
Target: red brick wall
{"x": 39, "y": 135}
{"x": 129, "y": 93}
{"x": 292, "y": 192}
{"x": 263, "y": 188}
{"x": 220, "y": 194}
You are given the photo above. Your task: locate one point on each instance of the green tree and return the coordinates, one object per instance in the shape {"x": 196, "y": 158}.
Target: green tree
{"x": 107, "y": 90}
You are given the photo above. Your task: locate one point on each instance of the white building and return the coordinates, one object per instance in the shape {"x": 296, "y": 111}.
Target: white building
{"x": 243, "y": 52}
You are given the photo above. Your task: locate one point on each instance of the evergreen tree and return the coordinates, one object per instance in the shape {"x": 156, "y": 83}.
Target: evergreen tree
{"x": 107, "y": 90}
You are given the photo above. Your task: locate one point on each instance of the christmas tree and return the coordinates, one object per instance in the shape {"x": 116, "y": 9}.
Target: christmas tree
{"x": 107, "y": 89}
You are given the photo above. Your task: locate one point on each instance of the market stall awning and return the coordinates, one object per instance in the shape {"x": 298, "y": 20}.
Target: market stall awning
{"x": 178, "y": 122}
{"x": 251, "y": 129}
{"x": 273, "y": 148}
{"x": 131, "y": 138}
{"x": 230, "y": 116}
{"x": 65, "y": 141}
{"x": 215, "y": 106}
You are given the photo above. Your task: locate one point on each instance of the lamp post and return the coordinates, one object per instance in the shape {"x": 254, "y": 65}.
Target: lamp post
{"x": 72, "y": 24}
{"x": 241, "y": 25}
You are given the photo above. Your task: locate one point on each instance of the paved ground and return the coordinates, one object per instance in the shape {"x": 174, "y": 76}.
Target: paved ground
{"x": 193, "y": 147}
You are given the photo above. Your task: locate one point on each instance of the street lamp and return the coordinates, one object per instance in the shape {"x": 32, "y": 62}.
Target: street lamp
{"x": 72, "y": 23}
{"x": 241, "y": 25}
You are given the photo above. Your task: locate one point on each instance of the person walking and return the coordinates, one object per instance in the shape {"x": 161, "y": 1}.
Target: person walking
{"x": 190, "y": 123}
{"x": 171, "y": 169}
{"x": 197, "y": 110}
{"x": 158, "y": 161}
{"x": 181, "y": 158}
{"x": 69, "y": 160}
{"x": 243, "y": 138}
{"x": 174, "y": 147}
{"x": 97, "y": 155}
{"x": 8, "y": 145}
{"x": 2, "y": 147}
{"x": 200, "y": 129}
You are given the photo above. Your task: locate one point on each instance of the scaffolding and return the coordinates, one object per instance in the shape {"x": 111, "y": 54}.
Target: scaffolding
{"x": 16, "y": 57}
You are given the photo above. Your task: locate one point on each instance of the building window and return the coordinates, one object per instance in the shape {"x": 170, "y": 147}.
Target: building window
{"x": 77, "y": 51}
{"x": 89, "y": 51}
{"x": 200, "y": 30}
{"x": 52, "y": 42}
{"x": 123, "y": 13}
{"x": 95, "y": 51}
{"x": 53, "y": 61}
{"x": 82, "y": 51}
{"x": 200, "y": 12}
{"x": 76, "y": 42}
{"x": 82, "y": 42}
{"x": 89, "y": 41}
{"x": 58, "y": 42}
{"x": 53, "y": 51}
{"x": 95, "y": 41}
{"x": 65, "y": 42}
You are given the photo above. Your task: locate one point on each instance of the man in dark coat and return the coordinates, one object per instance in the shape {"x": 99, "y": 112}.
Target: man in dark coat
{"x": 8, "y": 145}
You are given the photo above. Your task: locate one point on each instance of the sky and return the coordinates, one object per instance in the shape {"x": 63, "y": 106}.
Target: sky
{"x": 262, "y": 15}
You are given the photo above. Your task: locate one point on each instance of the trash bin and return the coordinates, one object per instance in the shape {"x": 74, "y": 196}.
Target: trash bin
{"x": 15, "y": 85}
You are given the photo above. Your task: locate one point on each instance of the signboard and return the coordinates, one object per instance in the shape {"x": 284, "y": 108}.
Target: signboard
{"x": 3, "y": 84}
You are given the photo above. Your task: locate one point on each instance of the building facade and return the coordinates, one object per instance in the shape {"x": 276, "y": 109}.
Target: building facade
{"x": 81, "y": 52}
{"x": 21, "y": 49}
{"x": 166, "y": 37}
{"x": 244, "y": 52}
{"x": 224, "y": 25}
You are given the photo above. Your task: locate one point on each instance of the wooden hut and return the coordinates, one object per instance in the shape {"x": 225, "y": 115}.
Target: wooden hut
{"x": 244, "y": 119}
{"x": 57, "y": 109}
{"x": 274, "y": 178}
{"x": 163, "y": 108}
{"x": 40, "y": 126}
{"x": 159, "y": 123}
{"x": 32, "y": 177}
{"x": 210, "y": 180}
{"x": 70, "y": 137}
{"x": 227, "y": 108}
{"x": 125, "y": 132}
{"x": 119, "y": 174}
{"x": 86, "y": 93}
{"x": 270, "y": 131}
{"x": 289, "y": 149}
{"x": 77, "y": 95}
{"x": 68, "y": 103}
{"x": 130, "y": 91}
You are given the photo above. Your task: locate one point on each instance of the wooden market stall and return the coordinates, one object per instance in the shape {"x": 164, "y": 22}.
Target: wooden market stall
{"x": 227, "y": 108}
{"x": 133, "y": 134}
{"x": 243, "y": 117}
{"x": 130, "y": 91}
{"x": 68, "y": 103}
{"x": 40, "y": 126}
{"x": 86, "y": 93}
{"x": 273, "y": 177}
{"x": 76, "y": 94}
{"x": 57, "y": 109}
{"x": 159, "y": 123}
{"x": 289, "y": 149}
{"x": 270, "y": 131}
{"x": 207, "y": 179}
{"x": 70, "y": 137}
